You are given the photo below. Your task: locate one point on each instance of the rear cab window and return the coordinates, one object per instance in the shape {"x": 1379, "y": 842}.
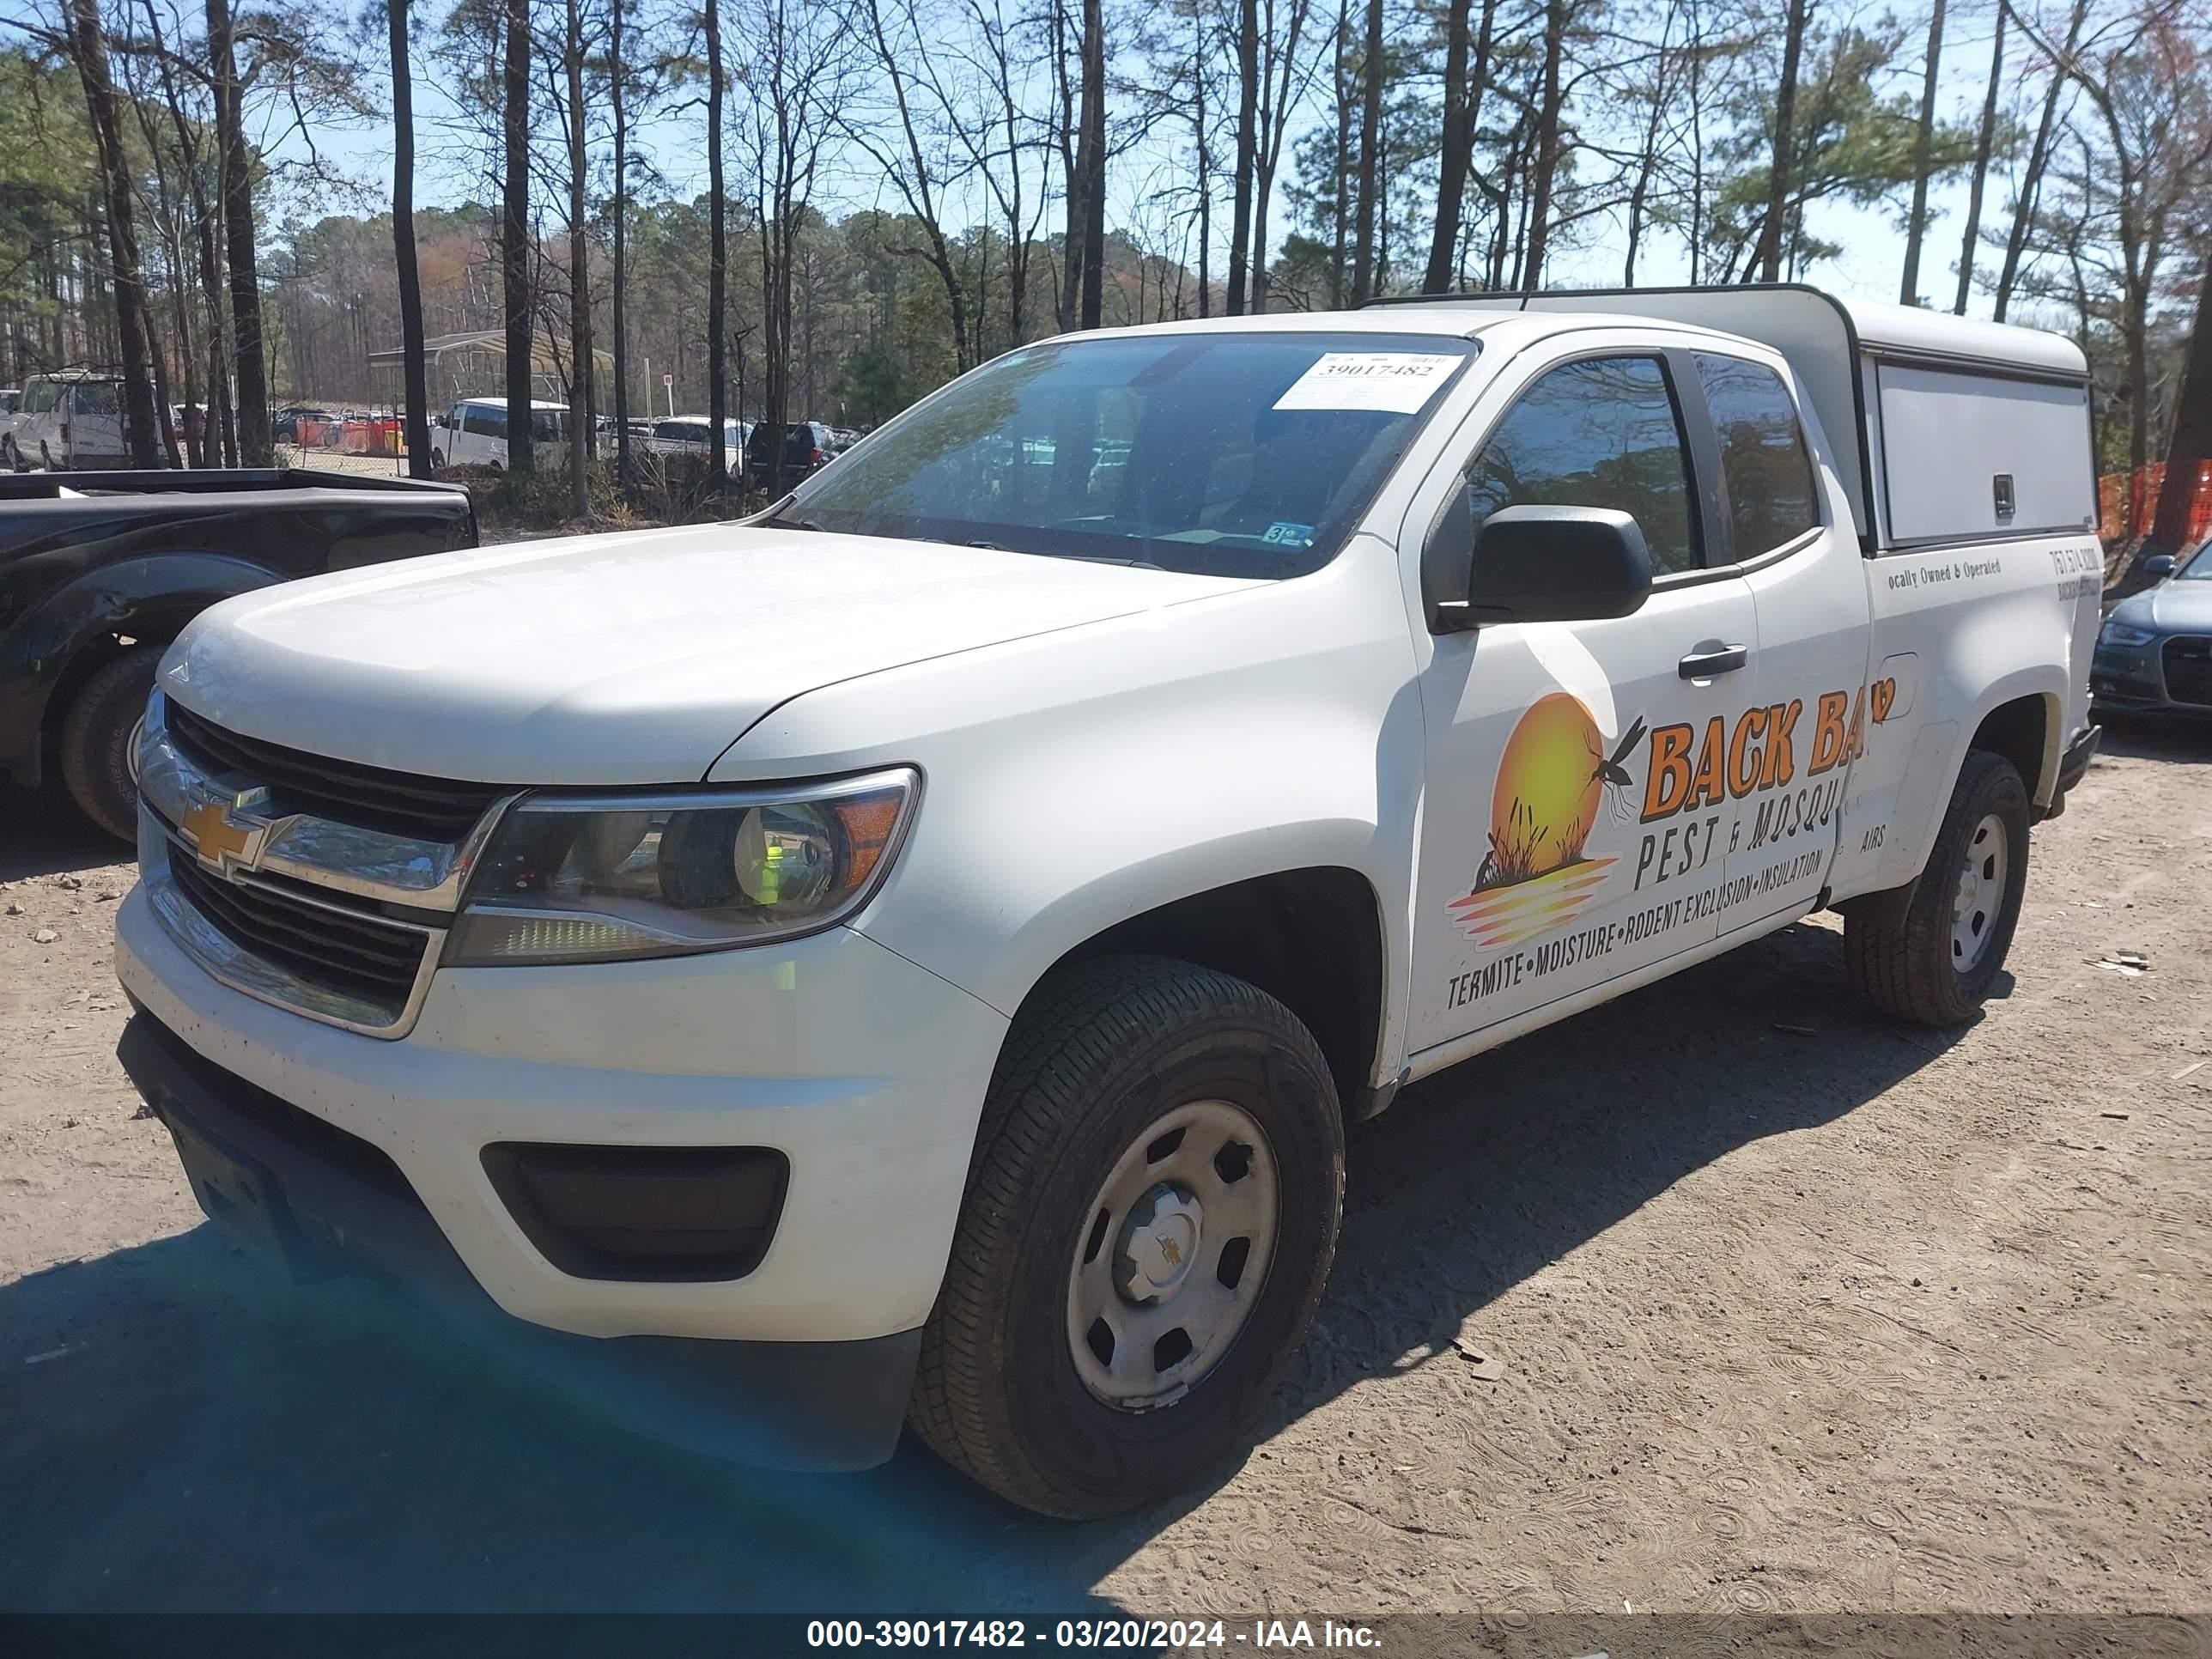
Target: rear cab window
{"x": 1765, "y": 466}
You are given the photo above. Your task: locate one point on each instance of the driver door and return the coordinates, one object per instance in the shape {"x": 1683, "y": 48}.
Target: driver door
{"x": 1576, "y": 814}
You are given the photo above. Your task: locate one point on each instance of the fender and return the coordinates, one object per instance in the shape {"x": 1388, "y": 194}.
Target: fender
{"x": 157, "y": 593}
{"x": 1105, "y": 770}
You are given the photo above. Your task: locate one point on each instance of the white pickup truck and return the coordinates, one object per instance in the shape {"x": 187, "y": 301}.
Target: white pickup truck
{"x": 913, "y": 956}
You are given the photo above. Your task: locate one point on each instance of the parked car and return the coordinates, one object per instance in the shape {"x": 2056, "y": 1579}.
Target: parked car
{"x": 70, "y": 421}
{"x": 694, "y": 434}
{"x": 95, "y": 581}
{"x": 918, "y": 952}
{"x": 307, "y": 425}
{"x": 2154, "y": 651}
{"x": 807, "y": 449}
{"x": 473, "y": 433}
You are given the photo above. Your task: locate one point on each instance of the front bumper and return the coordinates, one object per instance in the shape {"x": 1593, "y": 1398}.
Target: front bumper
{"x": 866, "y": 1071}
{"x": 320, "y": 1199}
{"x": 2135, "y": 680}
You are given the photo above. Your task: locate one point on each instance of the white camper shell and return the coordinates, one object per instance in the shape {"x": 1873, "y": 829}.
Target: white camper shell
{"x": 1944, "y": 429}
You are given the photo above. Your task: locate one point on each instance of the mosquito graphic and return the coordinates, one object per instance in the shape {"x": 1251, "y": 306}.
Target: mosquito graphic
{"x": 1614, "y": 776}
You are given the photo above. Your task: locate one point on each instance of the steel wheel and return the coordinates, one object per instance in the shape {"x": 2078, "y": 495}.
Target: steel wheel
{"x": 1980, "y": 895}
{"x": 1177, "y": 1253}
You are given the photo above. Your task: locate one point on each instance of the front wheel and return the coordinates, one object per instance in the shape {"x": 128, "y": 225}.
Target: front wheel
{"x": 1149, "y": 1219}
{"x": 1940, "y": 963}
{"x": 98, "y": 734}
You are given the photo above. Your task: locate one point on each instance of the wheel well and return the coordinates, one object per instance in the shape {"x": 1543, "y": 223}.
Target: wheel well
{"x": 1312, "y": 939}
{"x": 155, "y": 625}
{"x": 2020, "y": 731}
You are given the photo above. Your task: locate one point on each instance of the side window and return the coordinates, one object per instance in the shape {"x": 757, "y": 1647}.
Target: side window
{"x": 1763, "y": 456}
{"x": 93, "y": 397}
{"x": 1600, "y": 433}
{"x": 486, "y": 421}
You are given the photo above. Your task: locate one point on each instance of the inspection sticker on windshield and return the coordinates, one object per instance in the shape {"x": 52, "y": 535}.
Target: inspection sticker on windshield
{"x": 1395, "y": 382}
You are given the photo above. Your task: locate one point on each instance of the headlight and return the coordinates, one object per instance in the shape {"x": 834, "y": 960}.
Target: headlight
{"x": 2124, "y": 636}
{"x": 594, "y": 879}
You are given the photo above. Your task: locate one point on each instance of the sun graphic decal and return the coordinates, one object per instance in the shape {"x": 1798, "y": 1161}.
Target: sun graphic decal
{"x": 1552, "y": 784}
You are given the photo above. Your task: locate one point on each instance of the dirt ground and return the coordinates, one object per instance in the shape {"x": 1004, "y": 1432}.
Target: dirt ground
{"x": 1780, "y": 1308}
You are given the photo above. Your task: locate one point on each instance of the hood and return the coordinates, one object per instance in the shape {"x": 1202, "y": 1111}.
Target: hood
{"x": 2172, "y": 607}
{"x": 635, "y": 658}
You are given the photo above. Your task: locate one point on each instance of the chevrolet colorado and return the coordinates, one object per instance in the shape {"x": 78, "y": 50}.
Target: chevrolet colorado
{"x": 912, "y": 957}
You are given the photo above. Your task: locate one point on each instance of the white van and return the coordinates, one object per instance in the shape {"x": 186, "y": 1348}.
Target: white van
{"x": 918, "y": 951}
{"x": 67, "y": 422}
{"x": 473, "y": 433}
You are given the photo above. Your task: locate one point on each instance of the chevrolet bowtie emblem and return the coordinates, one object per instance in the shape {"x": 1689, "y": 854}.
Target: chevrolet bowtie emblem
{"x": 218, "y": 841}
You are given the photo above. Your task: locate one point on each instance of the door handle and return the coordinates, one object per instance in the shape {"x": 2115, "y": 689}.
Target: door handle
{"x": 1711, "y": 658}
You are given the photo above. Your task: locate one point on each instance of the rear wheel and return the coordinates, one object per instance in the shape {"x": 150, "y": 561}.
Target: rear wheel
{"x": 98, "y": 735}
{"x": 1939, "y": 964}
{"x": 1149, "y": 1219}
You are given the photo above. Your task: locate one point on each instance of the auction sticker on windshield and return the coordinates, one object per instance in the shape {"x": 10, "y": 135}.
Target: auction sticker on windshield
{"x": 1394, "y": 382}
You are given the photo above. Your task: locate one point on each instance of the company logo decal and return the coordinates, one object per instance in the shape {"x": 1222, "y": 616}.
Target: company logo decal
{"x": 1552, "y": 783}
{"x": 1559, "y": 781}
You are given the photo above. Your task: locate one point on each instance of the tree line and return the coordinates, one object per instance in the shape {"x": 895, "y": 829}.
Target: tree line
{"x": 896, "y": 190}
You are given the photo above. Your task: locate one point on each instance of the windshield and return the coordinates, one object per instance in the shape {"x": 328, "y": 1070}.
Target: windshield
{"x": 2199, "y": 568}
{"x": 1229, "y": 454}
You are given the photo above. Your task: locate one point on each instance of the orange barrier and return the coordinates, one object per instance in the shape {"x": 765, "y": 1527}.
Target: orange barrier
{"x": 2130, "y": 498}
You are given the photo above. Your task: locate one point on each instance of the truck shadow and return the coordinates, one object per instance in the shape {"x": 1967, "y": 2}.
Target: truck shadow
{"x": 177, "y": 1433}
{"x": 43, "y": 834}
{"x": 2137, "y": 737}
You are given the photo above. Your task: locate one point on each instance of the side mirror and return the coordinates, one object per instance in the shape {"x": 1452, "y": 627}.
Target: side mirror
{"x": 1553, "y": 564}
{"x": 2158, "y": 567}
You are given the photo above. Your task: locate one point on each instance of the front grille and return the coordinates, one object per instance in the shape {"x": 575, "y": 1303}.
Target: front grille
{"x": 371, "y": 797}
{"x": 2187, "y": 660}
{"x": 350, "y": 952}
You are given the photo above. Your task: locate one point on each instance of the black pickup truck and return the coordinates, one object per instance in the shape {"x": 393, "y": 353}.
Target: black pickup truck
{"x": 97, "y": 574}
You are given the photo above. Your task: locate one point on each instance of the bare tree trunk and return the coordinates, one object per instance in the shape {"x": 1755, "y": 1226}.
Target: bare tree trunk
{"x": 412, "y": 367}
{"x": 88, "y": 47}
{"x": 1198, "y": 16}
{"x": 1091, "y": 151}
{"x": 1370, "y": 155}
{"x": 514, "y": 241}
{"x": 1455, "y": 149}
{"x": 255, "y": 445}
{"x": 1547, "y": 147}
{"x": 2039, "y": 155}
{"x": 718, "y": 266}
{"x": 1924, "y": 154}
{"x": 1765, "y": 264}
{"x": 581, "y": 400}
{"x": 1342, "y": 191}
{"x": 1647, "y": 161}
{"x": 2189, "y": 446}
{"x": 1072, "y": 165}
{"x": 1247, "y": 144}
{"x": 617, "y": 96}
{"x": 1984, "y": 143}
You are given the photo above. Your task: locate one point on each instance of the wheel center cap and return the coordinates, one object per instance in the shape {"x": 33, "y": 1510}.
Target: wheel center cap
{"x": 1159, "y": 1241}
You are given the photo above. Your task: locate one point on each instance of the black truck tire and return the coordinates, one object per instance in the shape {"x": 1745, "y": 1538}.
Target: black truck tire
{"x": 1186, "y": 1087}
{"x": 1939, "y": 964}
{"x": 96, "y": 735}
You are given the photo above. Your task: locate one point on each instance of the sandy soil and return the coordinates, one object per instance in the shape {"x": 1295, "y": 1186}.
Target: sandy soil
{"x": 1779, "y": 1307}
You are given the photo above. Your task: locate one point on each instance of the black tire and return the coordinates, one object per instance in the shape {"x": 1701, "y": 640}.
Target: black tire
{"x": 1910, "y": 969}
{"x": 1098, "y": 1052}
{"x": 96, "y": 740}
